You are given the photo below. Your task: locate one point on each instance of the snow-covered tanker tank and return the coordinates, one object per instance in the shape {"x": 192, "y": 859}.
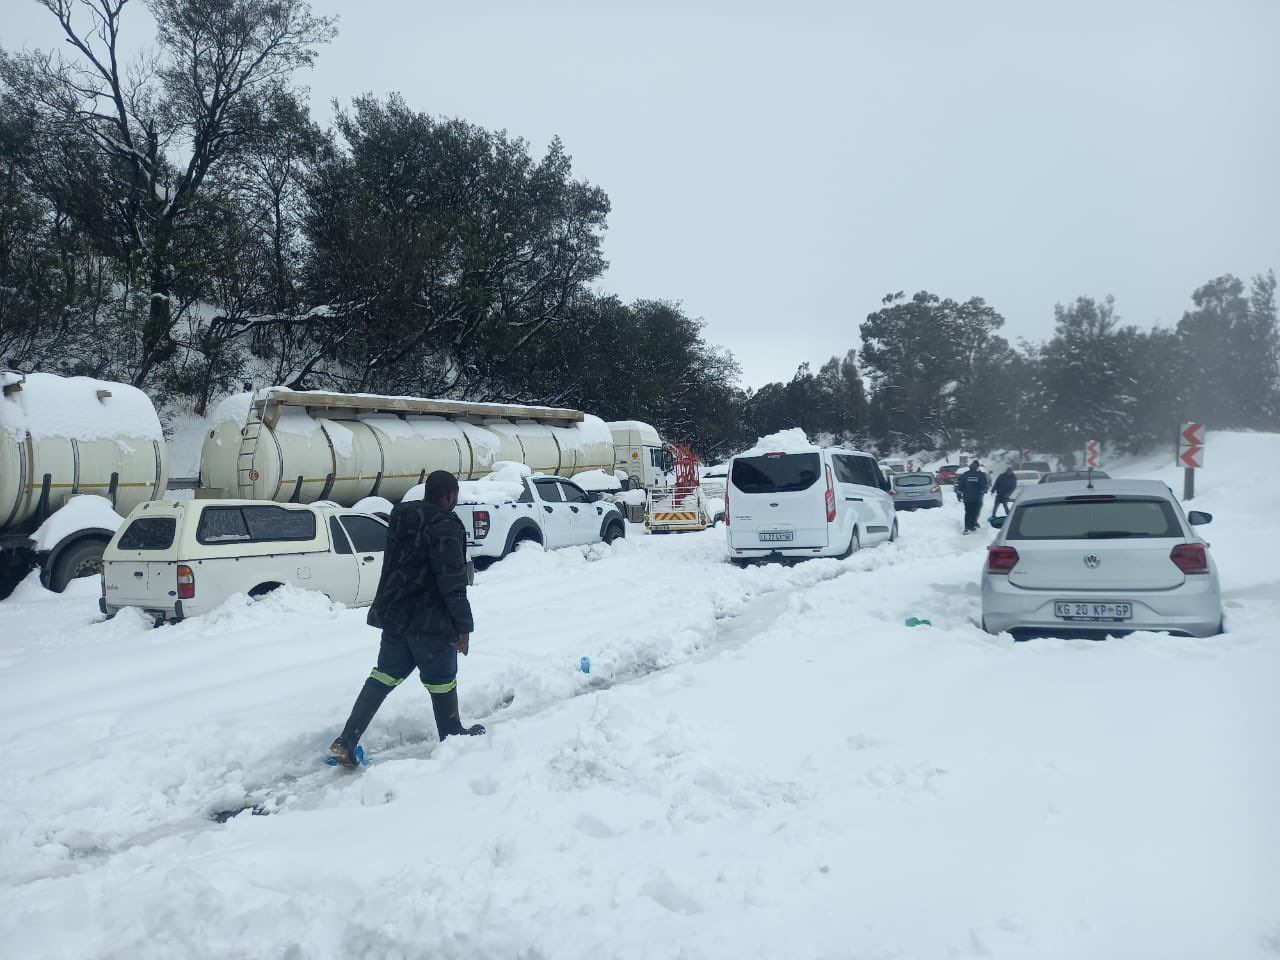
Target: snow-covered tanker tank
{"x": 64, "y": 436}
{"x": 304, "y": 446}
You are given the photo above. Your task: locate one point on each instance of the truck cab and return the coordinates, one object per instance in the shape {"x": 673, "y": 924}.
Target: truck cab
{"x": 639, "y": 453}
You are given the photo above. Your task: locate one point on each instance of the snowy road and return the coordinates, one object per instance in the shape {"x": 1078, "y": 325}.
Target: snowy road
{"x": 762, "y": 762}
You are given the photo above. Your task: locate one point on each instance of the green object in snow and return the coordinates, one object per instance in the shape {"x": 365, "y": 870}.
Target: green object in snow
{"x": 918, "y": 622}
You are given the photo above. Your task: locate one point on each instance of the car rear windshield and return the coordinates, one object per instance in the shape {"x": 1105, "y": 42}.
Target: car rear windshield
{"x": 1038, "y": 465}
{"x": 1093, "y": 519}
{"x": 914, "y": 480}
{"x": 777, "y": 474}
{"x": 148, "y": 533}
{"x": 254, "y": 524}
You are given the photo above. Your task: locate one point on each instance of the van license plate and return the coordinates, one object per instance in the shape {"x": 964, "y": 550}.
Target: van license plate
{"x": 777, "y": 536}
{"x": 1105, "y": 612}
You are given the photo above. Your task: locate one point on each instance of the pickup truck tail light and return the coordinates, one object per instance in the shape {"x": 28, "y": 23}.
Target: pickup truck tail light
{"x": 480, "y": 524}
{"x": 186, "y": 583}
{"x": 1190, "y": 558}
{"x": 831, "y": 497}
{"x": 1001, "y": 559}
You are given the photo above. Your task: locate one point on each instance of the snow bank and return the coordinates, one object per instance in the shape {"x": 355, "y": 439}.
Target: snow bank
{"x": 51, "y": 406}
{"x": 81, "y": 512}
{"x": 784, "y": 441}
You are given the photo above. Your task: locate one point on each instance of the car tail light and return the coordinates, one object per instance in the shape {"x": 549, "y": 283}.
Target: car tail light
{"x": 893, "y": 492}
{"x": 102, "y": 577}
{"x": 831, "y": 497}
{"x": 1190, "y": 558}
{"x": 186, "y": 582}
{"x": 480, "y": 523}
{"x": 1001, "y": 559}
{"x": 935, "y": 489}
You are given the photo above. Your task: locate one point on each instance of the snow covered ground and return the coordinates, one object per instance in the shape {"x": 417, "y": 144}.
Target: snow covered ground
{"x": 761, "y": 763}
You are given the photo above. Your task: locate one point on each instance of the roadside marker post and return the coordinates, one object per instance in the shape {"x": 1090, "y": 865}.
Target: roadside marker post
{"x": 1189, "y": 455}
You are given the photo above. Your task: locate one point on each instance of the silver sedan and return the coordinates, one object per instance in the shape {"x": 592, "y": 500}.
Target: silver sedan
{"x": 912, "y": 491}
{"x": 1104, "y": 558}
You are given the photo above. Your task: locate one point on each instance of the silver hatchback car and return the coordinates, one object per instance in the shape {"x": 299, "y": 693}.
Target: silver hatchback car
{"x": 1108, "y": 558}
{"x": 912, "y": 491}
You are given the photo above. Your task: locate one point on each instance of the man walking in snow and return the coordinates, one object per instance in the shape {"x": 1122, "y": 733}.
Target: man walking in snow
{"x": 971, "y": 488}
{"x": 421, "y": 607}
{"x": 1003, "y": 489}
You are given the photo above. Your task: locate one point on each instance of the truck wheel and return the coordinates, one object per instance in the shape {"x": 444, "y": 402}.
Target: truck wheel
{"x": 83, "y": 559}
{"x": 525, "y": 536}
{"x": 613, "y": 533}
{"x": 893, "y": 534}
{"x": 262, "y": 589}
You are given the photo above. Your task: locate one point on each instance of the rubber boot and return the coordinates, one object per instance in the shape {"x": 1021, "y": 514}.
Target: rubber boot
{"x": 367, "y": 703}
{"x": 445, "y": 707}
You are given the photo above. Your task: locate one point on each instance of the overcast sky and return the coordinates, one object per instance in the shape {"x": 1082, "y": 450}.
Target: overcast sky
{"x": 780, "y": 167}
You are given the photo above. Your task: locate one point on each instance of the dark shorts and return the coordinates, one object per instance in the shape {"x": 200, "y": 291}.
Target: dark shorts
{"x": 435, "y": 657}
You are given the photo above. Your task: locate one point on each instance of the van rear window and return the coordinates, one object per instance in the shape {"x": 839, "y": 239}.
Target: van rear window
{"x": 254, "y": 524}
{"x": 148, "y": 533}
{"x": 1093, "y": 520}
{"x": 785, "y": 474}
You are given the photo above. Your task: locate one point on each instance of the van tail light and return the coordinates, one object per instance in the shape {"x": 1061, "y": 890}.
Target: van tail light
{"x": 1190, "y": 558}
{"x": 102, "y": 578}
{"x": 186, "y": 582}
{"x": 1001, "y": 559}
{"x": 480, "y": 523}
{"x": 831, "y": 497}
{"x": 726, "y": 504}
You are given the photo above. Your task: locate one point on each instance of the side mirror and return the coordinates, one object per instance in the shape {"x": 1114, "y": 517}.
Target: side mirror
{"x": 1198, "y": 518}
{"x": 593, "y": 496}
{"x": 998, "y": 522}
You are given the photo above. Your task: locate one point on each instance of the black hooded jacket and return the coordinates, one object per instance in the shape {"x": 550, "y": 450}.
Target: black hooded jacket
{"x": 1005, "y": 484}
{"x": 423, "y": 588}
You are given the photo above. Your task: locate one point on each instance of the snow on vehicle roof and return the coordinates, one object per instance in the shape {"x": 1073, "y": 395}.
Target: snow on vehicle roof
{"x": 232, "y": 409}
{"x": 1076, "y": 488}
{"x": 784, "y": 441}
{"x": 82, "y": 512}
{"x": 45, "y": 405}
{"x": 596, "y": 480}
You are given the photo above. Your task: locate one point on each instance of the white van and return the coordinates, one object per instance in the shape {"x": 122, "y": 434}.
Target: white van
{"x": 806, "y": 503}
{"x": 176, "y": 559}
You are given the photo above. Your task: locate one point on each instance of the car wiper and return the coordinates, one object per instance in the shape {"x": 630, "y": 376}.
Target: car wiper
{"x": 1110, "y": 534}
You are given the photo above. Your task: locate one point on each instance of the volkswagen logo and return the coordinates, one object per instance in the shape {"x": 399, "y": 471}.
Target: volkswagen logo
{"x": 1092, "y": 561}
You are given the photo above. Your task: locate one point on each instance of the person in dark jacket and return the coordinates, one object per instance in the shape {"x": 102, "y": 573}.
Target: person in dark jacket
{"x": 421, "y": 607}
{"x": 1003, "y": 489}
{"x": 972, "y": 487}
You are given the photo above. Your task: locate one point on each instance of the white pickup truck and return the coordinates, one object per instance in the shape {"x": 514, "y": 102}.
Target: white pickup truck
{"x": 551, "y": 511}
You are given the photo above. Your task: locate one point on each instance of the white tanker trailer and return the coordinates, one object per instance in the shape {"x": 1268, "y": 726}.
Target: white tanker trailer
{"x": 303, "y": 446}
{"x": 63, "y": 436}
